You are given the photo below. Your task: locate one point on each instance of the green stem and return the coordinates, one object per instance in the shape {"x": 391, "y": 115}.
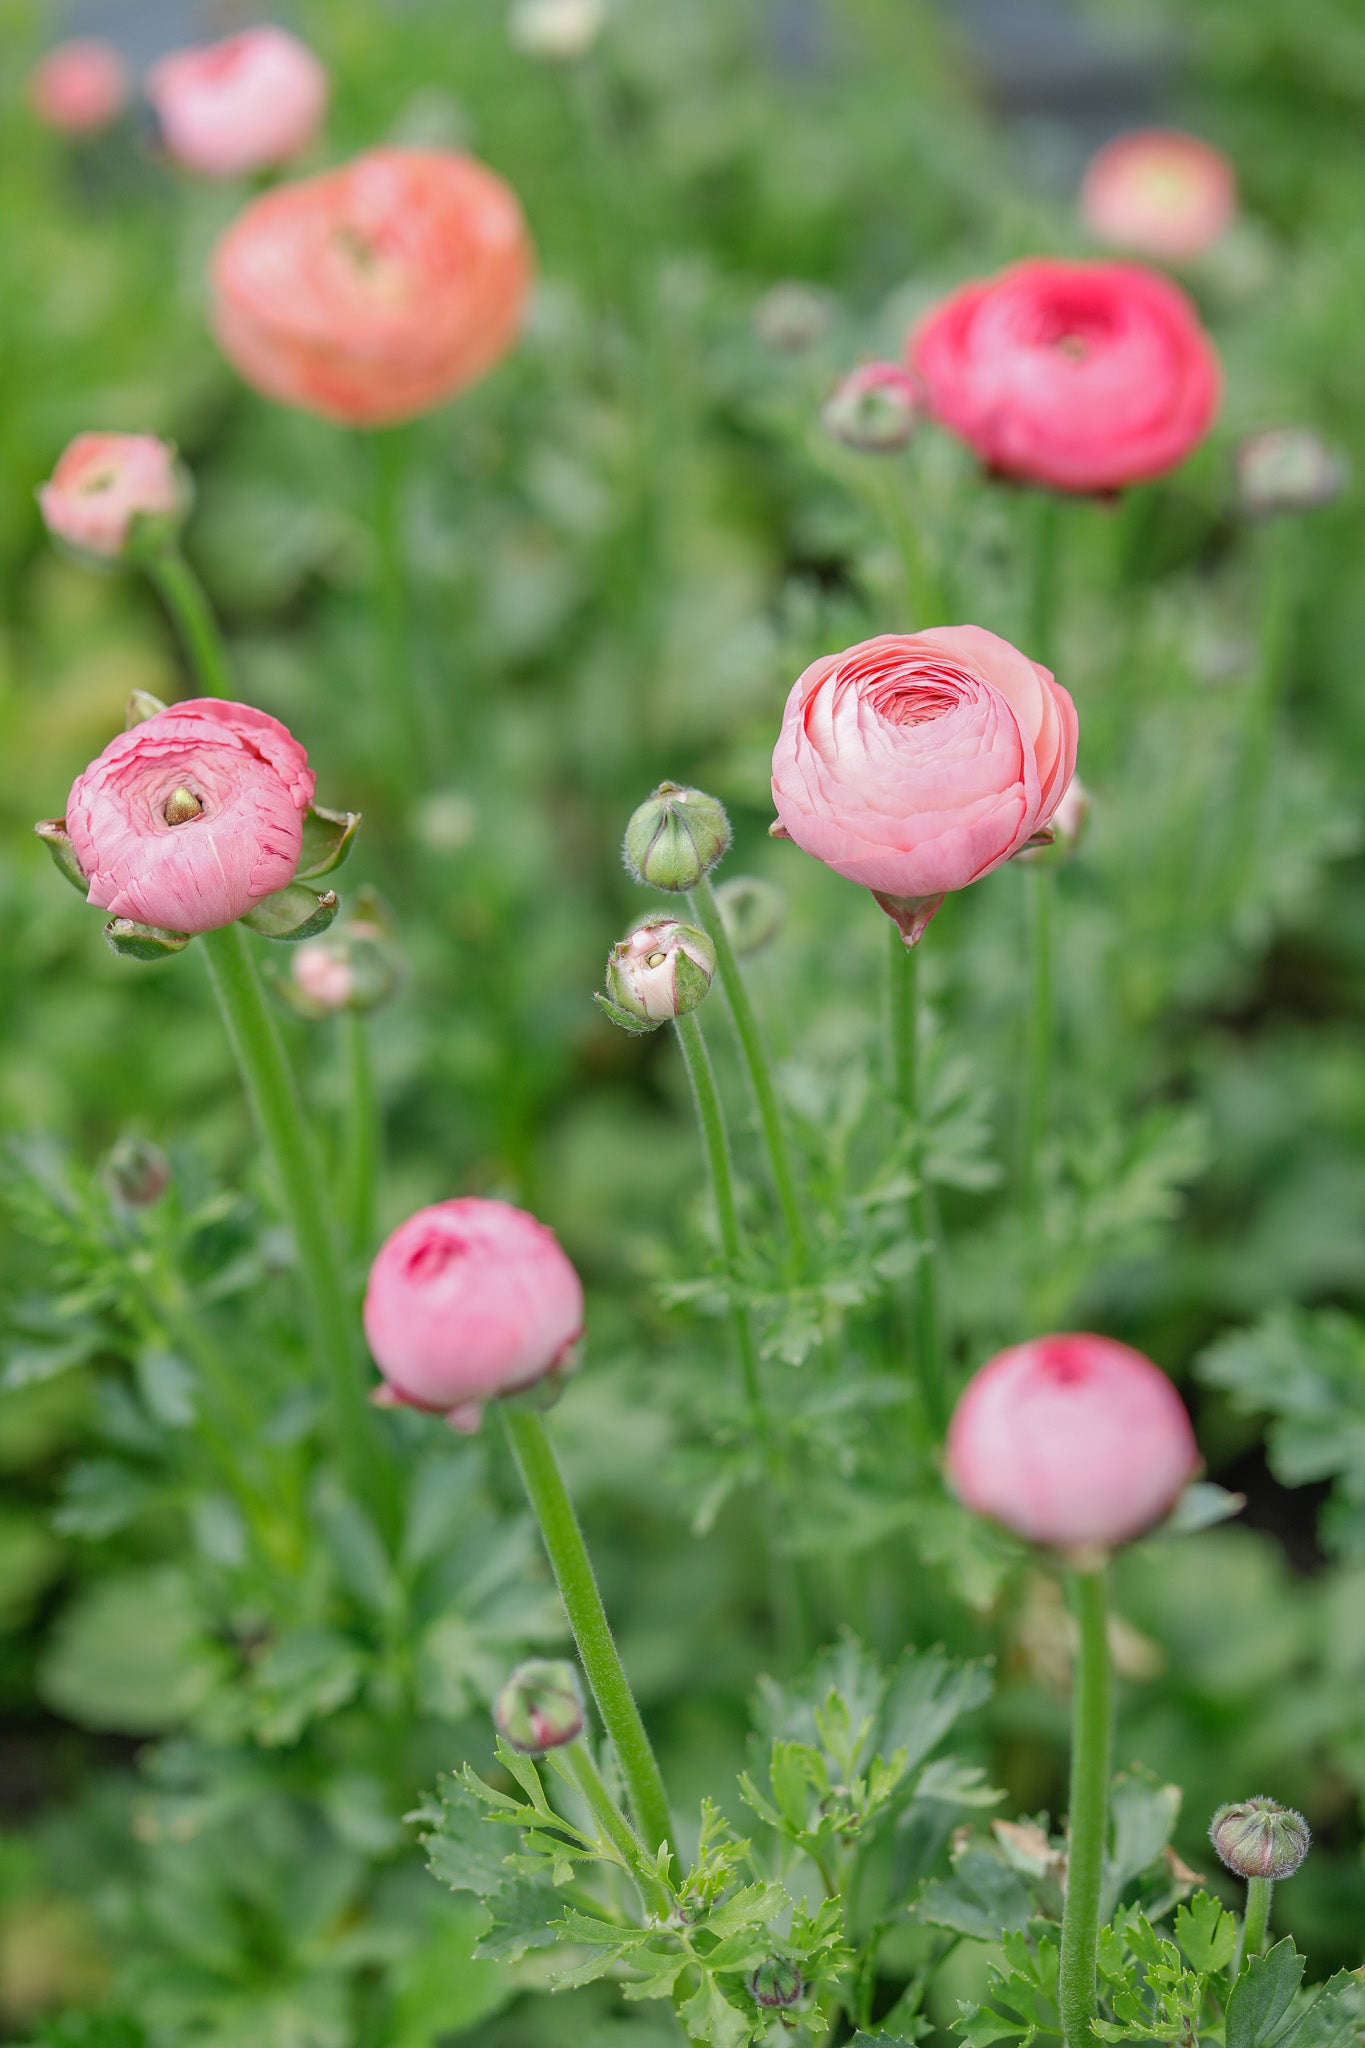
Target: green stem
{"x": 400, "y": 684}
{"x": 1278, "y": 561}
{"x": 183, "y": 596}
{"x": 904, "y": 1007}
{"x": 288, "y": 1142}
{"x": 1255, "y": 1921}
{"x": 360, "y": 1166}
{"x": 582, "y": 1768}
{"x": 921, "y": 597}
{"x": 1045, "y": 586}
{"x": 597, "y": 1649}
{"x": 707, "y": 911}
{"x": 1091, "y": 1715}
{"x": 1038, "y": 883}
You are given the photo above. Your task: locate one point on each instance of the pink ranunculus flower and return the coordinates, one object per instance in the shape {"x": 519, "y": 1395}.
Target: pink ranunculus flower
{"x": 917, "y": 762}
{"x": 103, "y": 483}
{"x": 1083, "y": 377}
{"x": 80, "y": 86}
{"x": 467, "y": 1301}
{"x": 1162, "y": 193}
{"x": 245, "y": 104}
{"x": 376, "y": 291}
{"x": 1076, "y": 1442}
{"x": 192, "y": 817}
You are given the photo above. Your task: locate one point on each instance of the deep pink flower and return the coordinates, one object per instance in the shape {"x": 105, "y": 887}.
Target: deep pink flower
{"x": 467, "y": 1301}
{"x": 1072, "y": 1441}
{"x": 1080, "y": 376}
{"x": 102, "y": 483}
{"x": 80, "y": 86}
{"x": 917, "y": 762}
{"x": 1159, "y": 192}
{"x": 245, "y": 104}
{"x": 198, "y": 868}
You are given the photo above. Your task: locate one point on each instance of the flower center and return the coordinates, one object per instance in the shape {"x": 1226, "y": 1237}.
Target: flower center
{"x": 916, "y": 703}
{"x": 655, "y": 959}
{"x": 181, "y": 805}
{"x": 434, "y": 1258}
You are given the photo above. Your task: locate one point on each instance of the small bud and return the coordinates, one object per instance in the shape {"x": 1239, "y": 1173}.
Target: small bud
{"x": 1063, "y": 835}
{"x": 110, "y": 492}
{"x": 557, "y": 30}
{"x": 357, "y": 965}
{"x": 753, "y": 912}
{"x": 181, "y": 805}
{"x": 661, "y": 970}
{"x": 793, "y": 317}
{"x": 875, "y": 409}
{"x": 541, "y": 1706}
{"x": 1260, "y": 1838}
{"x": 138, "y": 1172}
{"x": 1288, "y": 469}
{"x": 776, "y": 1984}
{"x": 675, "y": 837}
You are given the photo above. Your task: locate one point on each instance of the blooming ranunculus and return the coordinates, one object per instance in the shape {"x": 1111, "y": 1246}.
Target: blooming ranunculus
{"x": 1159, "y": 192}
{"x": 192, "y": 817}
{"x": 246, "y": 104}
{"x": 1079, "y": 376}
{"x": 103, "y": 483}
{"x": 917, "y": 762}
{"x": 1073, "y": 1441}
{"x": 376, "y": 291}
{"x": 80, "y": 86}
{"x": 467, "y": 1301}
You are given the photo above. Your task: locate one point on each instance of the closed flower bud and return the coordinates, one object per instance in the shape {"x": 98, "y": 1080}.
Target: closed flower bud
{"x": 753, "y": 911}
{"x": 541, "y": 1706}
{"x": 793, "y": 317}
{"x": 1260, "y": 1838}
{"x": 661, "y": 971}
{"x": 80, "y": 86}
{"x": 1288, "y": 469}
{"x": 111, "y": 491}
{"x": 1067, "y": 828}
{"x": 675, "y": 837}
{"x": 356, "y": 965}
{"x": 556, "y": 30}
{"x": 776, "y": 1984}
{"x": 138, "y": 1172}
{"x": 874, "y": 409}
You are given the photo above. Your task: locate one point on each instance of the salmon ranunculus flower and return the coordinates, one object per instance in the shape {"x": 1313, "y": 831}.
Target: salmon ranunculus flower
{"x": 374, "y": 292}
{"x": 246, "y": 104}
{"x": 189, "y": 819}
{"x": 103, "y": 484}
{"x": 1159, "y": 192}
{"x": 80, "y": 86}
{"x": 1078, "y": 376}
{"x": 917, "y": 762}
{"x": 467, "y": 1301}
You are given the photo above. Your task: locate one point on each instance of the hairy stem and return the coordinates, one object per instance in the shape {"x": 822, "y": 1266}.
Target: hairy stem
{"x": 581, "y": 1767}
{"x": 183, "y": 596}
{"x": 1091, "y": 1715}
{"x": 1255, "y": 1921}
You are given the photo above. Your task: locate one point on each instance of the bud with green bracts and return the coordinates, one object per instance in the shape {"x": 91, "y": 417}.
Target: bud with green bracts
{"x": 658, "y": 972}
{"x": 776, "y": 1984}
{"x": 1260, "y": 1838}
{"x": 540, "y": 1707}
{"x": 675, "y": 837}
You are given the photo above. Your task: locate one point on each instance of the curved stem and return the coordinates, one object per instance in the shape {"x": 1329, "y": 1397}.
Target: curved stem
{"x": 904, "y": 1009}
{"x": 360, "y": 1163}
{"x": 601, "y": 1660}
{"x": 1255, "y": 1921}
{"x": 581, "y": 1767}
{"x": 1040, "y": 1033}
{"x": 1091, "y": 1714}
{"x": 183, "y": 596}
{"x": 708, "y": 914}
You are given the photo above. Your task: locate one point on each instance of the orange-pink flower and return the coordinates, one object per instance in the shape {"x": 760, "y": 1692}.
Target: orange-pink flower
{"x": 376, "y": 291}
{"x": 79, "y": 86}
{"x": 248, "y": 103}
{"x": 104, "y": 485}
{"x": 1159, "y": 192}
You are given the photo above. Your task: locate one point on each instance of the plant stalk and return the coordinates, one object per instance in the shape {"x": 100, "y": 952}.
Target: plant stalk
{"x": 1255, "y": 1922}
{"x": 363, "y": 1138}
{"x": 1091, "y": 1717}
{"x": 1040, "y": 1031}
{"x": 582, "y": 1768}
{"x": 904, "y": 1062}
{"x": 183, "y": 596}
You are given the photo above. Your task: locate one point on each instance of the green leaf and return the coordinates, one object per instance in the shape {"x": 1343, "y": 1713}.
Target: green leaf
{"x": 130, "y": 1655}
{"x": 293, "y": 913}
{"x": 327, "y": 838}
{"x": 982, "y": 1898}
{"x": 520, "y": 1917}
{"x": 1336, "y": 2017}
{"x": 710, "y": 2017}
{"x": 302, "y": 1678}
{"x": 132, "y": 941}
{"x": 465, "y": 1849}
{"x": 1144, "y": 1818}
{"x": 1262, "y": 1995}
{"x": 928, "y": 1694}
{"x": 1207, "y": 1933}
{"x": 52, "y": 832}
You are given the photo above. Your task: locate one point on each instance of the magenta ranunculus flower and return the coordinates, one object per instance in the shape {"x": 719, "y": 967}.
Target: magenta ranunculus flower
{"x": 470, "y": 1300}
{"x": 80, "y": 86}
{"x": 190, "y": 819}
{"x": 103, "y": 484}
{"x": 1079, "y": 376}
{"x": 917, "y": 762}
{"x": 1160, "y": 192}
{"x": 246, "y": 104}
{"x": 1076, "y": 1442}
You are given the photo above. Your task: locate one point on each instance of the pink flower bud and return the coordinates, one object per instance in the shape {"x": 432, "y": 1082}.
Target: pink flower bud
{"x": 468, "y": 1301}
{"x": 659, "y": 971}
{"x": 324, "y": 973}
{"x": 540, "y": 1707}
{"x": 104, "y": 485}
{"x": 79, "y": 87}
{"x": 1067, "y": 829}
{"x": 191, "y": 818}
{"x": 245, "y": 104}
{"x": 1260, "y": 1838}
{"x": 1159, "y": 192}
{"x": 874, "y": 409}
{"x": 376, "y": 291}
{"x": 1072, "y": 1441}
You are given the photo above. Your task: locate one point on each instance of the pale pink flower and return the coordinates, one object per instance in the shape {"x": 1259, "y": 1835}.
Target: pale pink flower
{"x": 80, "y": 86}
{"x": 467, "y": 1301}
{"x": 192, "y": 817}
{"x": 246, "y": 104}
{"x": 1072, "y": 1441}
{"x": 103, "y": 483}
{"x": 1162, "y": 193}
{"x": 874, "y": 409}
{"x": 917, "y": 762}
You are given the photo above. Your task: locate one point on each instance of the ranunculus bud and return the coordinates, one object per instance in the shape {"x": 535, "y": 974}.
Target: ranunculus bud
{"x": 80, "y": 86}
{"x": 1067, "y": 828}
{"x": 1071, "y": 1441}
{"x": 356, "y": 965}
{"x": 1260, "y": 1838}
{"x": 138, "y": 1172}
{"x": 753, "y": 911}
{"x": 776, "y": 1984}
{"x": 248, "y": 103}
{"x": 874, "y": 409}
{"x": 793, "y": 316}
{"x": 1288, "y": 469}
{"x": 469, "y": 1301}
{"x": 1159, "y": 192}
{"x": 557, "y": 30}
{"x": 660, "y": 971}
{"x": 675, "y": 837}
{"x": 541, "y": 1706}
{"x": 109, "y": 491}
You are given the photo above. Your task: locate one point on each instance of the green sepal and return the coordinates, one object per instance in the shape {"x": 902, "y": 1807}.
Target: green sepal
{"x": 639, "y": 1027}
{"x": 690, "y": 982}
{"x": 143, "y": 941}
{"x": 52, "y": 832}
{"x": 141, "y": 706}
{"x": 327, "y": 837}
{"x": 292, "y": 913}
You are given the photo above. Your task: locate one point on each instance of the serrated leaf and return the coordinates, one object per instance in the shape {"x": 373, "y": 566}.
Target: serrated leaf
{"x": 1207, "y": 1932}
{"x": 710, "y": 2017}
{"x": 752, "y": 1905}
{"x": 982, "y": 1898}
{"x": 1336, "y": 2017}
{"x": 465, "y": 1849}
{"x": 521, "y": 1913}
{"x": 1262, "y": 1995}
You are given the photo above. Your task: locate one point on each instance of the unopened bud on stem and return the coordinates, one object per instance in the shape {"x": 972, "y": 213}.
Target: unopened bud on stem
{"x": 660, "y": 971}
{"x": 753, "y": 911}
{"x": 776, "y": 1984}
{"x": 1260, "y": 1838}
{"x": 540, "y": 1707}
{"x": 875, "y": 409}
{"x": 675, "y": 837}
{"x": 138, "y": 1172}
{"x": 1288, "y": 469}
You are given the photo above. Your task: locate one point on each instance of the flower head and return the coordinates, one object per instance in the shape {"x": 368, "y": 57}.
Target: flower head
{"x": 675, "y": 837}
{"x": 107, "y": 488}
{"x": 248, "y": 103}
{"x": 875, "y": 409}
{"x": 659, "y": 971}
{"x": 1160, "y": 193}
{"x": 80, "y": 86}
{"x": 540, "y": 1707}
{"x": 1260, "y": 1838}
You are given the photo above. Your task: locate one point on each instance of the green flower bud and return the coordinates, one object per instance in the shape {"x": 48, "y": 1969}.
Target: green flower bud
{"x": 1260, "y": 1838}
{"x": 753, "y": 912}
{"x": 675, "y": 838}
{"x": 776, "y": 1983}
{"x": 1288, "y": 469}
{"x": 138, "y": 1172}
{"x": 793, "y": 317}
{"x": 660, "y": 971}
{"x": 356, "y": 965}
{"x": 540, "y": 1707}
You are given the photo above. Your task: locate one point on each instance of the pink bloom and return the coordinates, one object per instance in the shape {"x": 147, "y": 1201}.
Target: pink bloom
{"x": 196, "y": 868}
{"x": 245, "y": 104}
{"x": 1162, "y": 193}
{"x": 1080, "y": 376}
{"x": 80, "y": 86}
{"x": 917, "y": 762}
{"x": 1071, "y": 1441}
{"x": 467, "y": 1301}
{"x": 875, "y": 408}
{"x": 374, "y": 292}
{"x": 103, "y": 483}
